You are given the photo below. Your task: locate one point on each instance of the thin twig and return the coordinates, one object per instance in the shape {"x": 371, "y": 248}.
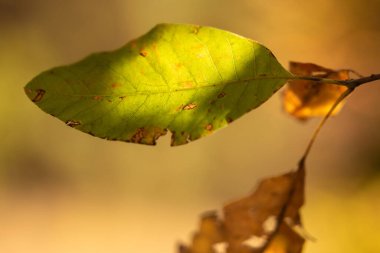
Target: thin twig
{"x": 351, "y": 85}
{"x": 301, "y": 163}
{"x": 357, "y": 82}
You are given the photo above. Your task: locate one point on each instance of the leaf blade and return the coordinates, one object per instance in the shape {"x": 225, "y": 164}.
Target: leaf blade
{"x": 186, "y": 79}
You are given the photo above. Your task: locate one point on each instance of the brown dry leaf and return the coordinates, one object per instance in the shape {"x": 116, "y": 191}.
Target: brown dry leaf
{"x": 210, "y": 232}
{"x": 286, "y": 240}
{"x": 262, "y": 222}
{"x": 304, "y": 99}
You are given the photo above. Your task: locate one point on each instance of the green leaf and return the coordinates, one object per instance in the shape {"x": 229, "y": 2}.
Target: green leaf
{"x": 186, "y": 79}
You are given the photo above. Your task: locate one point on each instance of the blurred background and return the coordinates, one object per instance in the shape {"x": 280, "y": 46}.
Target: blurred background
{"x": 64, "y": 191}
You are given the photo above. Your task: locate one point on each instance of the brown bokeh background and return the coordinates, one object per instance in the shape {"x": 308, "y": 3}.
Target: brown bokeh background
{"x": 65, "y": 191}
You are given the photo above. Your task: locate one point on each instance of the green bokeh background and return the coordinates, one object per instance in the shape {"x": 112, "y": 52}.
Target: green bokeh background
{"x": 65, "y": 191}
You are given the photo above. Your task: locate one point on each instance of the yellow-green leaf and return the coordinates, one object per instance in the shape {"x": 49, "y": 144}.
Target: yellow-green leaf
{"x": 186, "y": 79}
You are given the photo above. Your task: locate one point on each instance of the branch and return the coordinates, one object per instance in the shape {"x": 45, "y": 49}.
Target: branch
{"x": 351, "y": 83}
{"x": 354, "y": 83}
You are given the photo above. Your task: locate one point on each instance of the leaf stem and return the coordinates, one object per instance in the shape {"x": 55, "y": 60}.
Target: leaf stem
{"x": 320, "y": 80}
{"x": 301, "y": 163}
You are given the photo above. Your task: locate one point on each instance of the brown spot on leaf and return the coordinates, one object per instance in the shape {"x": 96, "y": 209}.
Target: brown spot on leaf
{"x": 98, "y": 97}
{"x": 221, "y": 95}
{"x": 209, "y": 127}
{"x": 147, "y": 135}
{"x": 72, "y": 123}
{"x": 196, "y": 29}
{"x": 189, "y": 106}
{"x": 143, "y": 53}
{"x": 138, "y": 136}
{"x": 115, "y": 85}
{"x": 40, "y": 94}
{"x": 122, "y": 97}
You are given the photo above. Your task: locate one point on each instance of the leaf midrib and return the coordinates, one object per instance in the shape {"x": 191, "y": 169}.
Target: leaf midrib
{"x": 184, "y": 89}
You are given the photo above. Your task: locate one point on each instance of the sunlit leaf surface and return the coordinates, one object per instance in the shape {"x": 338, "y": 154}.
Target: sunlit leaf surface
{"x": 189, "y": 80}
